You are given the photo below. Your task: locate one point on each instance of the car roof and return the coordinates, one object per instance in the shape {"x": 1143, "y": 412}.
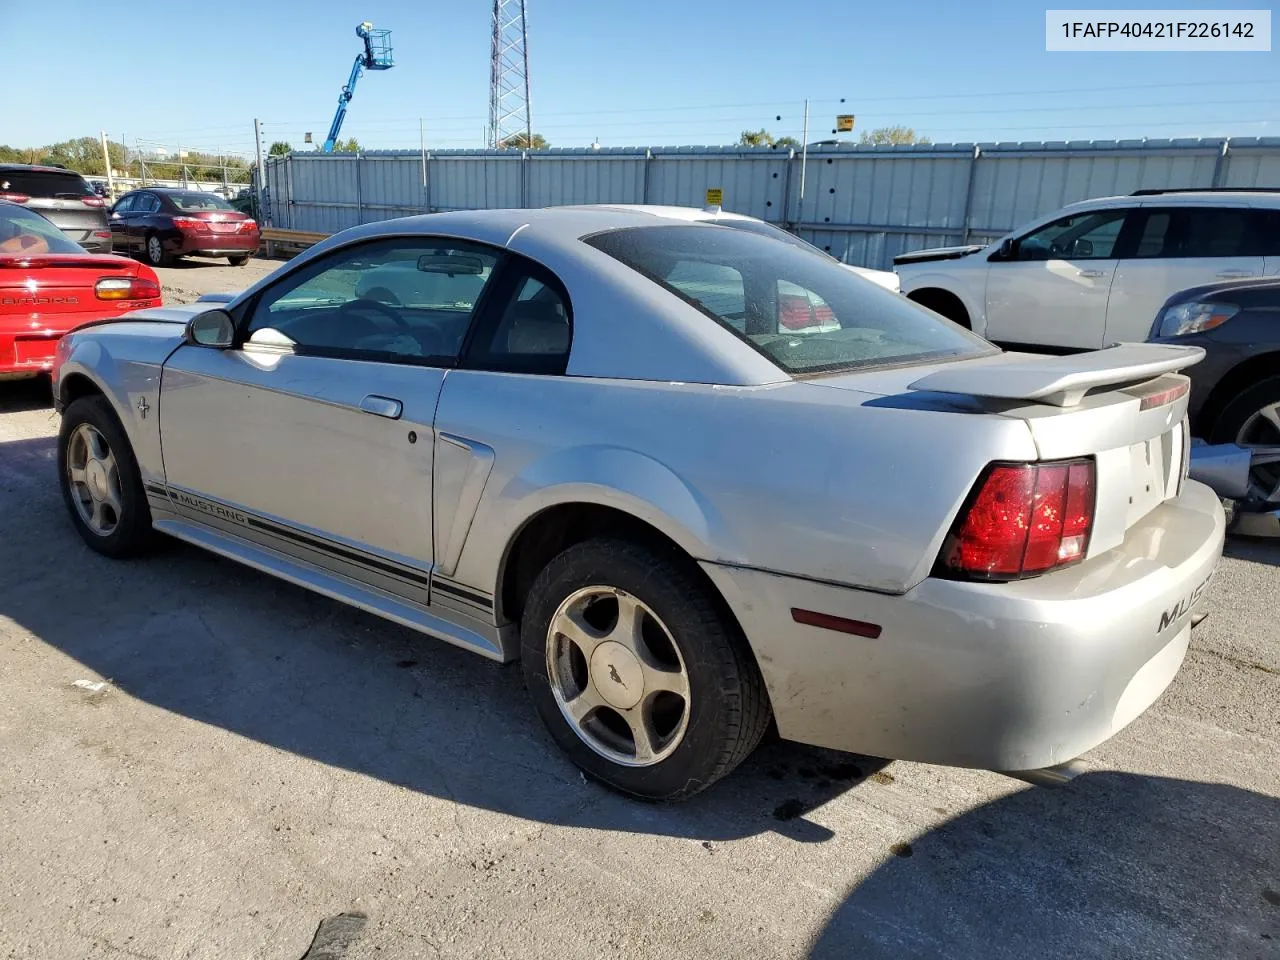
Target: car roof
{"x": 37, "y": 168}
{"x": 670, "y": 212}
{"x": 1191, "y": 197}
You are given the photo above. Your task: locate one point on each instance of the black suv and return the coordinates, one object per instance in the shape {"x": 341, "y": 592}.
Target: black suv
{"x": 62, "y": 196}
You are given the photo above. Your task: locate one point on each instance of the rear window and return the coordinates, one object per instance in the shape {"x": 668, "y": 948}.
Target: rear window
{"x": 195, "y": 200}
{"x": 807, "y": 314}
{"x": 44, "y": 183}
{"x": 24, "y": 233}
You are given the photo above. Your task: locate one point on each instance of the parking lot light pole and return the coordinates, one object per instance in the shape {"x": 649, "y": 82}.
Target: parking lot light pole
{"x": 804, "y": 160}
{"x": 106, "y": 159}
{"x": 262, "y": 172}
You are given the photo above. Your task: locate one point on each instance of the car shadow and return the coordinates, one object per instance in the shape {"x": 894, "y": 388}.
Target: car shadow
{"x": 211, "y": 640}
{"x": 34, "y": 393}
{"x": 1112, "y": 865}
{"x": 1255, "y": 549}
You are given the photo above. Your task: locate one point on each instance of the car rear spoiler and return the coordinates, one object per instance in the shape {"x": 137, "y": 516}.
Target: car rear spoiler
{"x": 1061, "y": 381}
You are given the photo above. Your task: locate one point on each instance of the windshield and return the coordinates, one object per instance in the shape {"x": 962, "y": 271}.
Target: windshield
{"x": 806, "y": 313}
{"x": 199, "y": 201}
{"x": 24, "y": 233}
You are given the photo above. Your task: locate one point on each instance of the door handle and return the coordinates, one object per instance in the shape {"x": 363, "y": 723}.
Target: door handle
{"x": 382, "y": 406}
{"x": 1092, "y": 274}
{"x": 1234, "y": 274}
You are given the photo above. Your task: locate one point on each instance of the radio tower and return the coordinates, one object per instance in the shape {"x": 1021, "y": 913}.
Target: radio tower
{"x": 509, "y": 113}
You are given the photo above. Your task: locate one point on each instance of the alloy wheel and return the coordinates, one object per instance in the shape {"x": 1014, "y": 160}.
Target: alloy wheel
{"x": 1260, "y": 434}
{"x": 95, "y": 480}
{"x": 618, "y": 676}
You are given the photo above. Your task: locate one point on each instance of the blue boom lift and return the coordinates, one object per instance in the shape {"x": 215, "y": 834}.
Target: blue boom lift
{"x": 376, "y": 56}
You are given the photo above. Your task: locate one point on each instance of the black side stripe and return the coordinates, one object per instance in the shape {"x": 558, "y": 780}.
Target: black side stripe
{"x": 478, "y": 599}
{"x": 362, "y": 559}
{"x": 159, "y": 491}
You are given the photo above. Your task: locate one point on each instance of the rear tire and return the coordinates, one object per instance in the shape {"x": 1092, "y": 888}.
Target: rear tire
{"x": 100, "y": 481}
{"x": 684, "y": 642}
{"x": 238, "y": 261}
{"x": 154, "y": 253}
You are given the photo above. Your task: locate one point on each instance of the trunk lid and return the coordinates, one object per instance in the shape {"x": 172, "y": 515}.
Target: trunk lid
{"x": 223, "y": 222}
{"x": 1124, "y": 406}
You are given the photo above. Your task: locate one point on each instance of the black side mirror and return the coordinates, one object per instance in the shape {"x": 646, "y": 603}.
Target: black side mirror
{"x": 1007, "y": 248}
{"x": 213, "y": 328}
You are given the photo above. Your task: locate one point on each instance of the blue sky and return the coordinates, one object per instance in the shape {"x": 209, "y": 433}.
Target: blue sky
{"x": 652, "y": 72}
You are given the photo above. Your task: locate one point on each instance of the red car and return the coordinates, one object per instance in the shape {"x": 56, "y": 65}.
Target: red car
{"x": 161, "y": 224}
{"x": 49, "y": 285}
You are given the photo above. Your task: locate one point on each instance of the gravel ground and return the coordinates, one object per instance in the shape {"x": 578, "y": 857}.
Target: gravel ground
{"x": 259, "y": 759}
{"x": 189, "y": 279}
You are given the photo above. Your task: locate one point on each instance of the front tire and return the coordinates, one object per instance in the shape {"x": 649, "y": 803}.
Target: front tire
{"x": 100, "y": 480}
{"x": 238, "y": 261}
{"x": 1252, "y": 418}
{"x": 154, "y": 252}
{"x": 637, "y": 673}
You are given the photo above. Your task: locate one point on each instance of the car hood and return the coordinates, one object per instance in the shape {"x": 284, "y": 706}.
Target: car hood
{"x": 938, "y": 253}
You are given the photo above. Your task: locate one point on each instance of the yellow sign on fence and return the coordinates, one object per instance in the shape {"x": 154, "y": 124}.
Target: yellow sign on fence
{"x": 844, "y": 123}
{"x": 715, "y": 196}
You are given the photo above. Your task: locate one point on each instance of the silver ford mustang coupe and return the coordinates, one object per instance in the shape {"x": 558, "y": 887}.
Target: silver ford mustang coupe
{"x": 696, "y": 479}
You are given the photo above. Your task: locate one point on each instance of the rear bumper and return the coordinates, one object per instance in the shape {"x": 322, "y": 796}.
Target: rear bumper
{"x": 217, "y": 246}
{"x": 1013, "y": 676}
{"x": 28, "y": 346}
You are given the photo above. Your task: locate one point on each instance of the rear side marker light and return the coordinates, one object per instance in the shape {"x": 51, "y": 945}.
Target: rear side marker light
{"x": 14, "y": 197}
{"x": 827, "y": 621}
{"x": 1022, "y": 520}
{"x": 102, "y": 234}
{"x": 126, "y": 288}
{"x": 92, "y": 201}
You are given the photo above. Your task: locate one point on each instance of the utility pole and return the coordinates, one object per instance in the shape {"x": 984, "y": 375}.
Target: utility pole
{"x": 262, "y": 170}
{"x": 804, "y": 160}
{"x": 106, "y": 159}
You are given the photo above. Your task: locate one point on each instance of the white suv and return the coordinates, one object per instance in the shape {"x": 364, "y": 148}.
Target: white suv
{"x": 1096, "y": 272}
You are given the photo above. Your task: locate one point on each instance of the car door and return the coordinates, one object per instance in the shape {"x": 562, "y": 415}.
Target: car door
{"x": 313, "y": 435}
{"x": 493, "y": 420}
{"x": 1268, "y": 223}
{"x": 1177, "y": 248}
{"x": 142, "y": 220}
{"x": 119, "y": 222}
{"x": 1051, "y": 290}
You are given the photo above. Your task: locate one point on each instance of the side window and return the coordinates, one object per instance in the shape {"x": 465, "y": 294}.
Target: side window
{"x": 126, "y": 203}
{"x": 1266, "y": 233}
{"x": 399, "y": 300}
{"x": 1185, "y": 232}
{"x": 1215, "y": 232}
{"x": 531, "y": 326}
{"x": 717, "y": 287}
{"x": 1082, "y": 236}
{"x": 147, "y": 203}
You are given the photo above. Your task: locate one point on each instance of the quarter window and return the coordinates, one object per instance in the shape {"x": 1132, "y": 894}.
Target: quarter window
{"x": 533, "y": 327}
{"x": 405, "y": 300}
{"x": 1082, "y": 236}
{"x": 1186, "y": 232}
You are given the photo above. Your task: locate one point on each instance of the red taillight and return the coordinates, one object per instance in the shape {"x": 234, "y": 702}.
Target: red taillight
{"x": 92, "y": 201}
{"x": 102, "y": 234}
{"x": 14, "y": 197}
{"x": 191, "y": 224}
{"x": 1024, "y": 519}
{"x": 126, "y": 288}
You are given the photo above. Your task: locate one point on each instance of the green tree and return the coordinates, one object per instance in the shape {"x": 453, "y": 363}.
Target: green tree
{"x": 521, "y": 141}
{"x": 763, "y": 138}
{"x": 349, "y": 145}
{"x": 898, "y": 135}
{"x": 279, "y": 149}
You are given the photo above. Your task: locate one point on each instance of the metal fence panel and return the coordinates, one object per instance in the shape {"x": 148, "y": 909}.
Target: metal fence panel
{"x": 863, "y": 204}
